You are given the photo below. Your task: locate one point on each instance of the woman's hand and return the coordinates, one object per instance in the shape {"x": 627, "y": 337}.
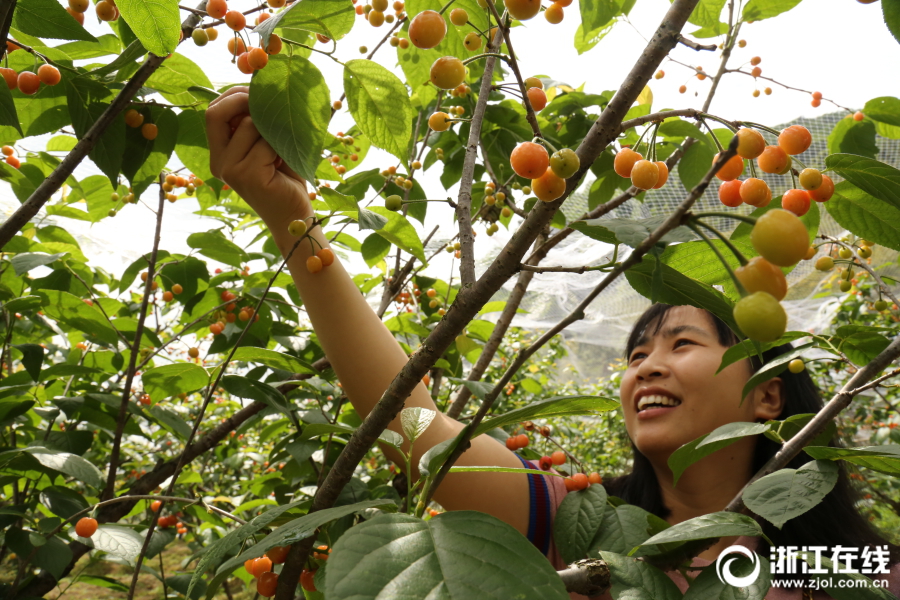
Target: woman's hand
{"x": 240, "y": 157}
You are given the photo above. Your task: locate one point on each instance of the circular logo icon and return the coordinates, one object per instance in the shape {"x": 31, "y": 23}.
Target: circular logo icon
{"x": 723, "y": 566}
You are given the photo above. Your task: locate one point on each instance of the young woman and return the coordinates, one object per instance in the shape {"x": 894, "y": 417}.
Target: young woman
{"x": 673, "y": 352}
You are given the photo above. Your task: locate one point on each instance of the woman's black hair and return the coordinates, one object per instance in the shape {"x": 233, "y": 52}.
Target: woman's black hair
{"x": 834, "y": 521}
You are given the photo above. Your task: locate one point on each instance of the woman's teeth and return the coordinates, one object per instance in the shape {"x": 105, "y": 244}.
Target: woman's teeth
{"x": 648, "y": 401}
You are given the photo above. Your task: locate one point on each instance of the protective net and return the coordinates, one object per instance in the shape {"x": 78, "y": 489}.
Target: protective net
{"x": 598, "y": 338}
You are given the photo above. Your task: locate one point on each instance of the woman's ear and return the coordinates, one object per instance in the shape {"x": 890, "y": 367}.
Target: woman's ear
{"x": 769, "y": 399}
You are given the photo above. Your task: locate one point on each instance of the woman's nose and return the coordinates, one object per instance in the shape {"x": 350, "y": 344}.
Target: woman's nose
{"x": 651, "y": 368}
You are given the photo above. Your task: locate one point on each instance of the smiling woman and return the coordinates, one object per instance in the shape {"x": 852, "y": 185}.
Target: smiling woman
{"x": 673, "y": 354}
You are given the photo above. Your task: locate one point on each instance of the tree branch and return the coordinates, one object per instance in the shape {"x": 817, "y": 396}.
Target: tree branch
{"x": 695, "y": 45}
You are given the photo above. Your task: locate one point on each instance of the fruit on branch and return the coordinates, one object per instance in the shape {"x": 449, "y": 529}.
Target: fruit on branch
{"x": 314, "y": 264}
{"x": 76, "y": 15}
{"x": 261, "y": 565}
{"x": 537, "y": 97}
{"x": 275, "y": 45}
{"x": 845, "y": 253}
{"x": 824, "y": 191}
{"x": 472, "y": 42}
{"x": 774, "y": 159}
{"x": 307, "y": 580}
{"x": 217, "y": 9}
{"x": 11, "y": 77}
{"x": 533, "y": 82}
{"x": 376, "y": 18}
{"x": 558, "y": 457}
{"x": 548, "y": 187}
{"x": 522, "y": 9}
{"x": 751, "y": 143}
{"x": 624, "y": 161}
{"x": 796, "y": 366}
{"x": 796, "y": 201}
{"x": 756, "y": 72}
{"x": 564, "y": 163}
{"x": 458, "y": 16}
{"x": 243, "y": 64}
{"x": 297, "y": 228}
{"x": 780, "y": 237}
{"x": 732, "y": 168}
{"x": 86, "y": 527}
{"x": 48, "y": 74}
{"x": 682, "y": 89}
{"x": 810, "y": 179}
{"x": 730, "y": 193}
{"x": 846, "y": 286}
{"x": 106, "y": 11}
{"x": 235, "y": 20}
{"x": 177, "y": 289}
{"x": 795, "y": 139}
{"x": 200, "y": 37}
{"x": 880, "y": 305}
{"x": 864, "y": 252}
{"x": 193, "y": 352}
{"x": 28, "y": 83}
{"x": 529, "y": 160}
{"x": 212, "y": 33}
{"x": 554, "y": 13}
{"x": 448, "y": 72}
{"x": 168, "y": 296}
{"x": 149, "y": 131}
{"x": 659, "y": 74}
{"x": 257, "y": 58}
{"x": 825, "y": 263}
{"x": 79, "y": 6}
{"x": 760, "y": 317}
{"x": 393, "y": 202}
{"x": 759, "y": 275}
{"x": 439, "y": 121}
{"x": 278, "y": 554}
{"x": 236, "y": 46}
{"x": 663, "y": 174}
{"x": 428, "y": 29}
{"x": 644, "y": 175}
{"x": 811, "y": 253}
{"x": 545, "y": 463}
{"x": 326, "y": 255}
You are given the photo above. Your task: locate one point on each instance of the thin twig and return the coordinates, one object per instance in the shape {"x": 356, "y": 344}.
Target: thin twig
{"x": 695, "y": 45}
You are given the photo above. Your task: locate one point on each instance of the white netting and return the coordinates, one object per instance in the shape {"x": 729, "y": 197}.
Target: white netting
{"x": 601, "y": 335}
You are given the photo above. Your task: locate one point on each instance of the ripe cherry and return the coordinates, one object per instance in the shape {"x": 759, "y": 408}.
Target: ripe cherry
{"x": 428, "y": 29}
{"x": 537, "y": 97}
{"x": 86, "y": 527}
{"x": 624, "y": 162}
{"x": 780, "y": 237}
{"x": 326, "y": 255}
{"x": 11, "y": 77}
{"x": 275, "y": 45}
{"x": 555, "y": 14}
{"x": 774, "y": 159}
{"x": 548, "y": 187}
{"x": 730, "y": 193}
{"x": 824, "y": 191}
{"x": 580, "y": 480}
{"x": 759, "y": 275}
{"x": 644, "y": 175}
{"x": 529, "y": 160}
{"x": 448, "y": 72}
{"x": 79, "y": 5}
{"x": 133, "y": 118}
{"x": 751, "y": 143}
{"x": 168, "y": 296}
{"x": 472, "y": 41}
{"x": 512, "y": 443}
{"x": 235, "y": 20}
{"x": 28, "y": 83}
{"x": 545, "y": 463}
{"x": 755, "y": 192}
{"x": 795, "y": 139}
{"x": 243, "y": 64}
{"x": 267, "y": 584}
{"x": 155, "y": 506}
{"x": 257, "y": 58}
{"x": 217, "y": 9}
{"x": 760, "y": 317}
{"x": 48, "y": 74}
{"x": 810, "y": 179}
{"x": 595, "y": 478}
{"x": 194, "y": 352}
{"x": 458, "y": 16}
{"x": 278, "y": 554}
{"x": 212, "y": 33}
{"x": 522, "y": 9}
{"x": 236, "y": 46}
{"x": 307, "y": 580}
{"x": 439, "y": 121}
{"x": 732, "y": 168}
{"x": 565, "y": 163}
{"x": 558, "y": 457}
{"x": 13, "y": 162}
{"x": 106, "y": 11}
{"x": 76, "y": 15}
{"x": 261, "y": 565}
{"x": 663, "y": 174}
{"x": 522, "y": 441}
{"x": 149, "y": 131}
{"x": 314, "y": 264}
{"x": 858, "y": 116}
{"x": 796, "y": 201}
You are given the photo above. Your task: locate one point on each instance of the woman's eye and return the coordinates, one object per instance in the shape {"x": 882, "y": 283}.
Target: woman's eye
{"x": 678, "y": 343}
{"x": 637, "y": 355}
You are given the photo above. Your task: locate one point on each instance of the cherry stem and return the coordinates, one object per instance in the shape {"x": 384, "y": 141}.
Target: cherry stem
{"x": 445, "y": 7}
{"x": 730, "y": 125}
{"x": 712, "y": 135}
{"x": 737, "y": 282}
{"x": 744, "y": 218}
{"x": 545, "y": 143}
{"x": 485, "y": 55}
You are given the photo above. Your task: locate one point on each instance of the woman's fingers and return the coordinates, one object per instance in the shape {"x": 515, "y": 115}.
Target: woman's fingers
{"x": 260, "y": 155}
{"x": 239, "y": 146}
{"x": 221, "y": 111}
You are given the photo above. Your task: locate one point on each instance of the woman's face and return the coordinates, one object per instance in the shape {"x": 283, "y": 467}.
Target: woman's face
{"x": 680, "y": 362}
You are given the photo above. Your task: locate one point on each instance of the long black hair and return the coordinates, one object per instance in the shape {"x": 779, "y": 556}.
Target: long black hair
{"x": 834, "y": 521}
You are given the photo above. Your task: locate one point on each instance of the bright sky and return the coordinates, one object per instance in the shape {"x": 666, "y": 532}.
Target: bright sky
{"x": 839, "y": 47}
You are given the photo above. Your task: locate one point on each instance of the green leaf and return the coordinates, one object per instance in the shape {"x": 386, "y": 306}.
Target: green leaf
{"x": 174, "y": 379}
{"x": 757, "y": 10}
{"x": 71, "y": 311}
{"x": 884, "y": 110}
{"x": 319, "y": 429}
{"x": 104, "y": 582}
{"x": 577, "y": 520}
{"x": 853, "y": 137}
{"x": 594, "y": 229}
{"x": 415, "y": 420}
{"x": 845, "y": 586}
{"x": 632, "y": 578}
{"x": 370, "y": 220}
{"x": 48, "y": 19}
{"x": 32, "y": 358}
{"x": 707, "y": 13}
{"x": 144, "y": 159}
{"x": 187, "y": 272}
{"x": 789, "y": 493}
{"x": 173, "y": 78}
{"x": 891, "y": 13}
{"x": 586, "y": 40}
{"x": 68, "y": 464}
{"x": 291, "y": 106}
{"x": 54, "y": 557}
{"x": 85, "y": 110}
{"x": 337, "y": 201}
{"x": 861, "y": 343}
{"x": 380, "y": 105}
{"x": 864, "y": 215}
{"x": 694, "y": 165}
{"x": 374, "y": 249}
{"x": 62, "y": 501}
{"x": 273, "y": 359}
{"x": 155, "y": 23}
{"x": 8, "y": 115}
{"x": 680, "y": 290}
{"x": 400, "y": 232}
{"x": 214, "y": 245}
{"x": 884, "y": 459}
{"x": 289, "y": 533}
{"x": 401, "y": 556}
{"x": 171, "y": 421}
{"x": 331, "y": 18}
{"x": 244, "y": 387}
{"x": 117, "y": 540}
{"x": 22, "y": 263}
{"x": 565, "y": 406}
{"x": 709, "y": 443}
{"x": 437, "y": 455}
{"x": 781, "y": 431}
{"x": 713, "y": 525}
{"x": 192, "y": 147}
{"x": 709, "y": 586}
{"x": 876, "y": 178}
{"x": 774, "y": 368}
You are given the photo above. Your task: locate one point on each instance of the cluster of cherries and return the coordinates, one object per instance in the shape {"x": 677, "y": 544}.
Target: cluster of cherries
{"x": 245, "y": 314}
{"x": 578, "y": 481}
{"x": 324, "y": 257}
{"x": 29, "y": 82}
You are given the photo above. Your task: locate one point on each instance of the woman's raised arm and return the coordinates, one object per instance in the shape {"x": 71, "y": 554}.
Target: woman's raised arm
{"x": 362, "y": 351}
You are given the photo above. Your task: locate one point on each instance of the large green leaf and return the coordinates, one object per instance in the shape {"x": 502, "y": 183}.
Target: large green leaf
{"x": 709, "y": 443}
{"x": 63, "y": 501}
{"x": 331, "y": 18}
{"x": 400, "y": 232}
{"x": 707, "y": 13}
{"x": 273, "y": 359}
{"x": 244, "y": 387}
{"x": 84, "y": 108}
{"x": 399, "y": 556}
{"x": 48, "y": 19}
{"x": 774, "y": 368}
{"x": 117, "y": 540}
{"x": 380, "y": 105}
{"x": 884, "y": 459}
{"x": 216, "y": 246}
{"x": 565, "y": 406}
{"x": 874, "y": 177}
{"x": 885, "y": 109}
{"x": 624, "y": 527}
{"x": 713, "y": 525}
{"x": 891, "y": 11}
{"x": 156, "y": 23}
{"x": 8, "y": 115}
{"x": 188, "y": 272}
{"x": 71, "y": 311}
{"x": 757, "y": 10}
{"x": 192, "y": 147}
{"x": 577, "y": 520}
{"x": 291, "y": 106}
{"x": 789, "y": 493}
{"x": 864, "y": 215}
{"x": 171, "y": 380}
{"x": 709, "y": 585}
{"x": 853, "y": 137}
{"x": 632, "y": 578}
{"x": 68, "y": 464}
{"x": 174, "y": 78}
